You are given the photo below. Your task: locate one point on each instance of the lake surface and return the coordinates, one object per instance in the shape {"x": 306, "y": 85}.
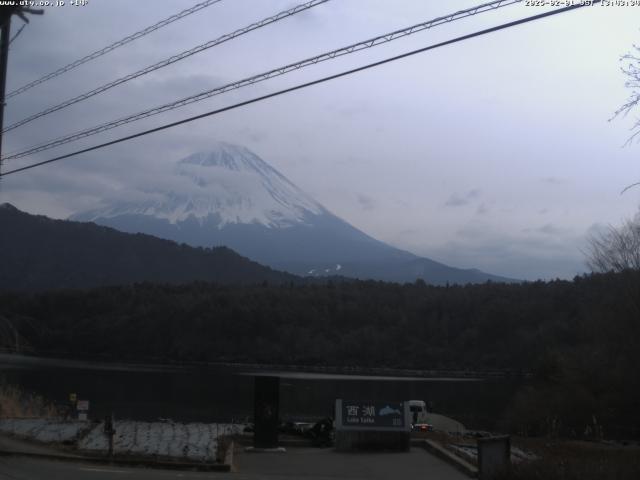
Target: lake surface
{"x": 220, "y": 394}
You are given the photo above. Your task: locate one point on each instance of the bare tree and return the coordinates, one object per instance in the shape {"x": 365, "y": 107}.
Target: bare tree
{"x": 616, "y": 249}
{"x": 631, "y": 70}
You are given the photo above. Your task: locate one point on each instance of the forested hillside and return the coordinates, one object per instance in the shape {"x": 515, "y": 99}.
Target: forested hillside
{"x": 40, "y": 253}
{"x": 579, "y": 338}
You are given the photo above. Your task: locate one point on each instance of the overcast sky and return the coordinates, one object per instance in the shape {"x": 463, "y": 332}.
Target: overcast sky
{"x": 494, "y": 153}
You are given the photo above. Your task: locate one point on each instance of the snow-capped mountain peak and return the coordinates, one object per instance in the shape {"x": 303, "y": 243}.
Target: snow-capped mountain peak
{"x": 228, "y": 184}
{"x": 227, "y": 155}
{"x": 230, "y": 196}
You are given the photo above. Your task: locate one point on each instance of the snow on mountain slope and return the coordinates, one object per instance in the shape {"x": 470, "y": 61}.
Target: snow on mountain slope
{"x": 229, "y": 196}
{"x": 229, "y": 182}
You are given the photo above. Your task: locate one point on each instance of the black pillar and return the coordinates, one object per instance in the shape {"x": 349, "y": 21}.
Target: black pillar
{"x": 266, "y": 413}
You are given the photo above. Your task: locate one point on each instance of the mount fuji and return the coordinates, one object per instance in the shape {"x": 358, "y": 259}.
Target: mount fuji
{"x": 229, "y": 196}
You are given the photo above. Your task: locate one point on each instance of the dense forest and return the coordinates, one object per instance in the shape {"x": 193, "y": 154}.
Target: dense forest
{"x": 578, "y": 339}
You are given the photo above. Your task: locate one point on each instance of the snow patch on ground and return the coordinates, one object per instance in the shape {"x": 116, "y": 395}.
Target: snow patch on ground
{"x": 190, "y": 441}
{"x": 471, "y": 451}
{"x": 185, "y": 441}
{"x": 44, "y": 430}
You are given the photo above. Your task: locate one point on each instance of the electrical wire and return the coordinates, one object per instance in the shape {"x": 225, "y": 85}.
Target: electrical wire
{"x": 305, "y": 85}
{"x": 113, "y": 46}
{"x": 369, "y": 43}
{"x": 175, "y": 58}
{"x": 17, "y": 33}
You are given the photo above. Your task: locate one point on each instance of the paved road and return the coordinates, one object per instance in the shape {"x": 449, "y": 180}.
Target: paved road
{"x": 303, "y": 463}
{"x": 23, "y": 468}
{"x": 322, "y": 464}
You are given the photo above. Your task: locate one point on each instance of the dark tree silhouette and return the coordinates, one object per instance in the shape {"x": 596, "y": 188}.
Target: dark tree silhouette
{"x": 617, "y": 249}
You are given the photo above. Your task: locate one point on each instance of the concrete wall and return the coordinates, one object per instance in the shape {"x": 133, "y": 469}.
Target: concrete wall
{"x": 494, "y": 456}
{"x": 372, "y": 440}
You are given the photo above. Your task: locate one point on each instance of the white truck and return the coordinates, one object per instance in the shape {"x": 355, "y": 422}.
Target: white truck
{"x": 424, "y": 421}
{"x": 418, "y": 409}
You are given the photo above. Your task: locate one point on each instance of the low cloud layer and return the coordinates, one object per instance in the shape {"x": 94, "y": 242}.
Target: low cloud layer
{"x": 457, "y": 200}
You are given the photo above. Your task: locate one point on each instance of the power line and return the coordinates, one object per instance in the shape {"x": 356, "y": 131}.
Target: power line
{"x": 17, "y": 33}
{"x": 6, "y": 13}
{"x": 372, "y": 42}
{"x": 307, "y": 84}
{"x": 113, "y": 46}
{"x": 175, "y": 58}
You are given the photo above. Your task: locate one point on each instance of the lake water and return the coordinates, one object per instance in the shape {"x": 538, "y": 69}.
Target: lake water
{"x": 220, "y": 394}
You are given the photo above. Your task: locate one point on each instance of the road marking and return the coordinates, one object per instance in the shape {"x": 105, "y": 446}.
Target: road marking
{"x": 107, "y": 470}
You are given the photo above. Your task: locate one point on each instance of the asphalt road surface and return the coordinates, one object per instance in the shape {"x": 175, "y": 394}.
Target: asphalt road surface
{"x": 303, "y": 463}
{"x": 23, "y": 468}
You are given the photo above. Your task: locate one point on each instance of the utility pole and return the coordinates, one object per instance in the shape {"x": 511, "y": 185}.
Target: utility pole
{"x": 4, "y": 56}
{"x": 6, "y": 12}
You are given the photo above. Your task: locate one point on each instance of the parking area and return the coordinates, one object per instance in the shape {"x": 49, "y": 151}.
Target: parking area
{"x": 318, "y": 463}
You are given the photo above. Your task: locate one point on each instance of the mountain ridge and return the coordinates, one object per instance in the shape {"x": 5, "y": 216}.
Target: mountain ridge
{"x": 43, "y": 253}
{"x": 278, "y": 203}
{"x": 230, "y": 196}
